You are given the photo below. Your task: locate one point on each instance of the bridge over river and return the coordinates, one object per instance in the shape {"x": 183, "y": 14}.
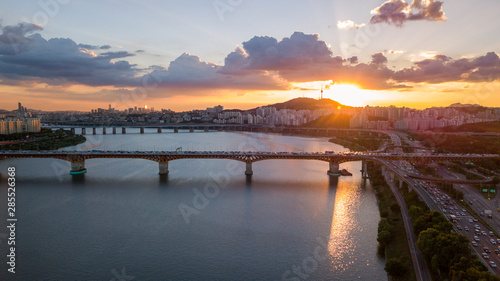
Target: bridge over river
{"x": 77, "y": 158}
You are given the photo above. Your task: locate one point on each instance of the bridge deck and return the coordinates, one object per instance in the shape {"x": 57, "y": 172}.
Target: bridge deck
{"x": 248, "y": 157}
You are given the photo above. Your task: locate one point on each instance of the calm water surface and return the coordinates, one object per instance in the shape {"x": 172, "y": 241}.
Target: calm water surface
{"x": 206, "y": 221}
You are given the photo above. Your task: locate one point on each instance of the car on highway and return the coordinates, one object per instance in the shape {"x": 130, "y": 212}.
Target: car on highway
{"x": 485, "y": 256}
{"x": 466, "y": 228}
{"x": 486, "y": 250}
{"x": 474, "y": 243}
{"x": 483, "y": 233}
{"x": 492, "y": 241}
{"x": 491, "y": 233}
{"x": 476, "y": 238}
{"x": 492, "y": 264}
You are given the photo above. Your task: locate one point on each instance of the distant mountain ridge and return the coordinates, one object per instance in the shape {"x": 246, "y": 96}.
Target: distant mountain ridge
{"x": 304, "y": 104}
{"x": 464, "y": 105}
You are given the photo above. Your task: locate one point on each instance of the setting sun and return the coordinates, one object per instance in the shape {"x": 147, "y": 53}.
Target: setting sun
{"x": 349, "y": 94}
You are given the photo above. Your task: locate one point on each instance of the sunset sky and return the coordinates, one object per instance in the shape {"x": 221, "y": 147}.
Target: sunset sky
{"x": 80, "y": 55}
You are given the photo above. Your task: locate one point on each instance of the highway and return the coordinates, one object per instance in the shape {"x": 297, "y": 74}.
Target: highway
{"x": 439, "y": 201}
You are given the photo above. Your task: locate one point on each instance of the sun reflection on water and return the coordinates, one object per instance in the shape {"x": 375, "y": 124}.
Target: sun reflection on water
{"x": 341, "y": 245}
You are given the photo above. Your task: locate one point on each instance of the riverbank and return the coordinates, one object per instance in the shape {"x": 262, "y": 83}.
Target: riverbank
{"x": 393, "y": 244}
{"x": 361, "y": 142}
{"x": 46, "y": 139}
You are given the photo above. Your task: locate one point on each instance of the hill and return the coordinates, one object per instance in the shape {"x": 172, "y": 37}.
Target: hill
{"x": 304, "y": 104}
{"x": 482, "y": 127}
{"x": 468, "y": 108}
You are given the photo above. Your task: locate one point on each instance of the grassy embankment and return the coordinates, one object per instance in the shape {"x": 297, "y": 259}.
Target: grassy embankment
{"x": 44, "y": 140}
{"x": 392, "y": 243}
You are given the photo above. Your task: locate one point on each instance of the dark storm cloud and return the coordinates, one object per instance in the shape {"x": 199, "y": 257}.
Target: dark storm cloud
{"x": 188, "y": 71}
{"x": 263, "y": 63}
{"x": 441, "y": 69}
{"x": 379, "y": 58}
{"x": 60, "y": 61}
{"x": 290, "y": 53}
{"x": 93, "y": 47}
{"x": 13, "y": 37}
{"x": 399, "y": 11}
{"x": 353, "y": 60}
{"x": 303, "y": 58}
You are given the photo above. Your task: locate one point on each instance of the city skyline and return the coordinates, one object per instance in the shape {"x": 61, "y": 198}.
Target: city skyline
{"x": 417, "y": 54}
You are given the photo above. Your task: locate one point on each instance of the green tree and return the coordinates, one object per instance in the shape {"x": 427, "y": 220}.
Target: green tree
{"x": 395, "y": 267}
{"x": 383, "y": 237}
{"x": 432, "y": 219}
{"x": 395, "y": 208}
{"x": 415, "y": 211}
{"x": 427, "y": 242}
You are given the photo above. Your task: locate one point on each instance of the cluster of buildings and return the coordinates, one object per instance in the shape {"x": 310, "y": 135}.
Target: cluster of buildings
{"x": 369, "y": 117}
{"x": 402, "y": 118}
{"x": 268, "y": 115}
{"x": 22, "y": 122}
{"x": 12, "y": 125}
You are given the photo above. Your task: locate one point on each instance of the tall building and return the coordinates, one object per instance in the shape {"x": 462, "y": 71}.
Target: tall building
{"x": 21, "y": 108}
{"x": 19, "y": 125}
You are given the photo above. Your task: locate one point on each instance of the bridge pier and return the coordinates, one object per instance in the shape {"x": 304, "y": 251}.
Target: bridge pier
{"x": 84, "y": 131}
{"x": 159, "y": 130}
{"x": 163, "y": 168}
{"x": 124, "y": 130}
{"x": 142, "y": 130}
{"x": 220, "y": 129}
{"x": 114, "y": 130}
{"x": 249, "y": 170}
{"x": 364, "y": 170}
{"x": 191, "y": 130}
{"x": 94, "y": 131}
{"x": 206, "y": 129}
{"x": 77, "y": 167}
{"x": 334, "y": 169}
{"x": 73, "y": 131}
{"x": 103, "y": 130}
{"x": 176, "y": 129}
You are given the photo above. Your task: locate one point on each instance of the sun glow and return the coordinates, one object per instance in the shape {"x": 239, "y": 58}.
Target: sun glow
{"x": 350, "y": 94}
{"x": 347, "y": 94}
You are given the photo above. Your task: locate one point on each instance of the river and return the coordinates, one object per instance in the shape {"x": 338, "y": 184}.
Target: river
{"x": 205, "y": 221}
